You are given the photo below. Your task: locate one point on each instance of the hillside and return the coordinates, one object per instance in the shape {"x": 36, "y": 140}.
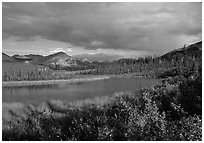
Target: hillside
{"x": 58, "y": 61}
{"x": 191, "y": 50}
{"x": 99, "y": 57}
{"x": 55, "y": 61}
{"x": 6, "y": 58}
{"x": 62, "y": 61}
{"x": 35, "y": 59}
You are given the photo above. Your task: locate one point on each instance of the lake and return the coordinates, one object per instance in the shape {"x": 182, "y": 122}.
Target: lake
{"x": 72, "y": 92}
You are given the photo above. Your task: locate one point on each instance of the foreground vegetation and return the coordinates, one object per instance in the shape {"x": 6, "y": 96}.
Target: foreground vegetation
{"x": 169, "y": 111}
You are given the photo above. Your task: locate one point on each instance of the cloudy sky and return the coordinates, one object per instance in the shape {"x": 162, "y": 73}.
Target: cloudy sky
{"x": 91, "y": 29}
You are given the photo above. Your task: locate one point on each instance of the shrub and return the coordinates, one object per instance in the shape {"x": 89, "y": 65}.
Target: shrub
{"x": 147, "y": 123}
{"x": 191, "y": 96}
{"x": 166, "y": 96}
{"x": 188, "y": 128}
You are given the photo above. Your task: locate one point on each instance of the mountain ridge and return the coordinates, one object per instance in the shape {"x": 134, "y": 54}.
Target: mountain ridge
{"x": 193, "y": 49}
{"x": 62, "y": 60}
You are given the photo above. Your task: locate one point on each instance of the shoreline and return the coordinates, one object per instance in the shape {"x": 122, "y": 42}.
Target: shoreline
{"x": 51, "y": 82}
{"x": 69, "y": 81}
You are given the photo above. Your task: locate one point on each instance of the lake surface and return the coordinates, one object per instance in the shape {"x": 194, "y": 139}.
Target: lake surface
{"x": 72, "y": 92}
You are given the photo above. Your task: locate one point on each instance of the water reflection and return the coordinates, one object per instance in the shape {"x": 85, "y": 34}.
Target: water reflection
{"x": 36, "y": 94}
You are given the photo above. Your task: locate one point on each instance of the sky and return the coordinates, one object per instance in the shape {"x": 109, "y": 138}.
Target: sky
{"x": 112, "y": 30}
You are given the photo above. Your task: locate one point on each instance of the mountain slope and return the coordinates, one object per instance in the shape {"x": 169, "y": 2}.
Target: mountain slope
{"x": 58, "y": 61}
{"x": 63, "y": 61}
{"x": 98, "y": 57}
{"x": 191, "y": 50}
{"x": 6, "y": 58}
{"x": 35, "y": 59}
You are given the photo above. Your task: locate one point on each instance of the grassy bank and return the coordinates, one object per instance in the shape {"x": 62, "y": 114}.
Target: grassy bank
{"x": 74, "y": 79}
{"x": 47, "y": 82}
{"x": 169, "y": 111}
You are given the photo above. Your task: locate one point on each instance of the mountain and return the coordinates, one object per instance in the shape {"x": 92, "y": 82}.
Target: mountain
{"x": 58, "y": 60}
{"x": 85, "y": 60}
{"x": 61, "y": 60}
{"x": 6, "y": 58}
{"x": 191, "y": 50}
{"x": 100, "y": 57}
{"x": 21, "y": 58}
{"x": 35, "y": 59}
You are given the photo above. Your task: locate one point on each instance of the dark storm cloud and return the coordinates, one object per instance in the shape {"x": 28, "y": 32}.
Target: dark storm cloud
{"x": 139, "y": 26}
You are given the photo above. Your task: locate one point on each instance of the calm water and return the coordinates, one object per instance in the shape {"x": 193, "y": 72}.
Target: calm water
{"x": 73, "y": 92}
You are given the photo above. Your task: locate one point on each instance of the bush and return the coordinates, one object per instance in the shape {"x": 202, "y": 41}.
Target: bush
{"x": 146, "y": 123}
{"x": 186, "y": 129}
{"x": 166, "y": 97}
{"x": 191, "y": 96}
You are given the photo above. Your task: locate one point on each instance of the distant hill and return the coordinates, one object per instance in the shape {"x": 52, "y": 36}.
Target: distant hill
{"x": 61, "y": 60}
{"x": 191, "y": 50}
{"x": 35, "y": 59}
{"x": 21, "y": 58}
{"x": 7, "y": 58}
{"x": 58, "y": 60}
{"x": 100, "y": 57}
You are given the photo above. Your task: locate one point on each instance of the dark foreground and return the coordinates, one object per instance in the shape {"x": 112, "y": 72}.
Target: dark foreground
{"x": 170, "y": 111}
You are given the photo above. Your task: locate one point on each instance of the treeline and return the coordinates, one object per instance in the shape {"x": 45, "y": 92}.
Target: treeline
{"x": 142, "y": 67}
{"x": 21, "y": 71}
{"x": 156, "y": 67}
{"x": 170, "y": 111}
{"x": 181, "y": 63}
